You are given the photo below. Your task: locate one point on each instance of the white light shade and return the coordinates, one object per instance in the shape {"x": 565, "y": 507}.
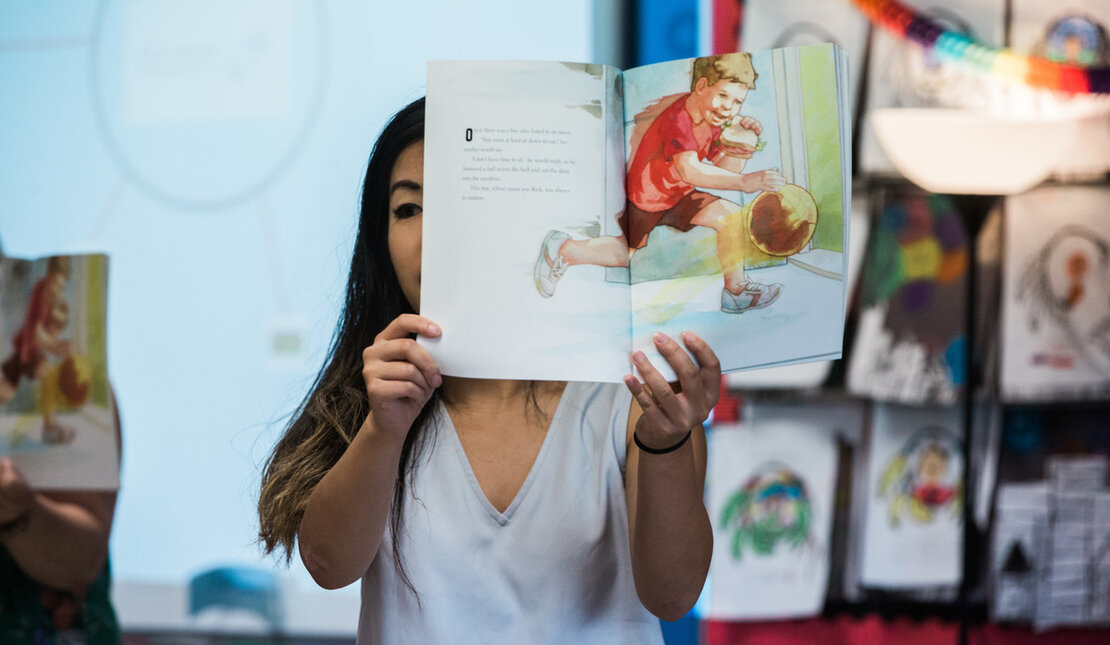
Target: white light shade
{"x": 963, "y": 152}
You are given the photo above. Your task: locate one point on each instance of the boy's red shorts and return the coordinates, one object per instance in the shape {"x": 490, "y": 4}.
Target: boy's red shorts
{"x": 637, "y": 224}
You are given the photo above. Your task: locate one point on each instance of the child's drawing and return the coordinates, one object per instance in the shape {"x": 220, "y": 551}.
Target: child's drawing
{"x": 913, "y": 526}
{"x": 923, "y": 478}
{"x": 1077, "y": 40}
{"x": 1067, "y": 284}
{"x": 911, "y": 338}
{"x": 770, "y": 486}
{"x": 1056, "y": 295}
{"x": 772, "y": 508}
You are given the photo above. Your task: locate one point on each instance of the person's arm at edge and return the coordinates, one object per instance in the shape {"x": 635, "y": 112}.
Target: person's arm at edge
{"x": 669, "y": 529}
{"x": 63, "y": 543}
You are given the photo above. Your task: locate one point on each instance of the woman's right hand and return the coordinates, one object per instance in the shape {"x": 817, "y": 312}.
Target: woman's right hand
{"x": 400, "y": 375}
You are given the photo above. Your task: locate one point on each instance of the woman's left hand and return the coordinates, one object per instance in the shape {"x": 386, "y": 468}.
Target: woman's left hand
{"x": 671, "y": 411}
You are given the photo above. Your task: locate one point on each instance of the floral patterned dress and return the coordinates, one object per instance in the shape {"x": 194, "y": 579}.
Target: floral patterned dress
{"x": 31, "y": 614}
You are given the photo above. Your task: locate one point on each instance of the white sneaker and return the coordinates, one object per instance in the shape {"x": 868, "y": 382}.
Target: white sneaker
{"x": 753, "y": 296}
{"x": 550, "y": 266}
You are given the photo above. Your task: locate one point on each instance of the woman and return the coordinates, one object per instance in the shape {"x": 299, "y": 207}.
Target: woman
{"x": 485, "y": 510}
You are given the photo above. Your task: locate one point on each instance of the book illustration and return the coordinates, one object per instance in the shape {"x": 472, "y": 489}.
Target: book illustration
{"x": 55, "y": 408}
{"x": 709, "y": 195}
{"x": 910, "y": 343}
{"x": 1055, "y": 322}
{"x": 920, "y": 481}
{"x": 771, "y": 510}
{"x": 699, "y": 140}
{"x": 770, "y": 258}
{"x": 913, "y": 498}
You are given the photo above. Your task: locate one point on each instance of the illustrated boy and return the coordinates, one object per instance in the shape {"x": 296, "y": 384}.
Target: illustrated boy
{"x": 41, "y": 334}
{"x": 680, "y": 153}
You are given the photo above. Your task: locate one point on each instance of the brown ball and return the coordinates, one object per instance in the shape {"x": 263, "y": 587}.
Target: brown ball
{"x": 782, "y": 222}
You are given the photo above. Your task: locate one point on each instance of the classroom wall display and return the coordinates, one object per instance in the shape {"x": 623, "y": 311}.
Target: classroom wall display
{"x": 910, "y": 343}
{"x": 913, "y": 527}
{"x": 1056, "y": 286}
{"x": 769, "y": 493}
{"x": 56, "y": 410}
{"x": 903, "y": 74}
{"x": 769, "y": 24}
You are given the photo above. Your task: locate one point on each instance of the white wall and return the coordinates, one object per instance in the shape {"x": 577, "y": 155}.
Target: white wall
{"x": 215, "y": 150}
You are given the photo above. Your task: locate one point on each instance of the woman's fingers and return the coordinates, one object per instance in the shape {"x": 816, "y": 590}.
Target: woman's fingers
{"x": 401, "y": 371}
{"x": 405, "y": 351}
{"x": 406, "y": 325}
{"x": 709, "y": 366}
{"x": 683, "y": 367}
{"x": 647, "y": 403}
{"x": 662, "y": 394}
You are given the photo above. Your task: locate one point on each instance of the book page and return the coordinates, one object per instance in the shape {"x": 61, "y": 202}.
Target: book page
{"x": 56, "y": 411}
{"x": 737, "y": 204}
{"x": 522, "y": 163}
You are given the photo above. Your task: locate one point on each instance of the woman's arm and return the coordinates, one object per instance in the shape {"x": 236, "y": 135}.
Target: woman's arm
{"x": 345, "y": 518}
{"x": 59, "y": 539}
{"x": 671, "y": 537}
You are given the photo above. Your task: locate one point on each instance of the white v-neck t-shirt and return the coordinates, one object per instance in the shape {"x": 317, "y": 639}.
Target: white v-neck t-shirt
{"x": 553, "y": 568}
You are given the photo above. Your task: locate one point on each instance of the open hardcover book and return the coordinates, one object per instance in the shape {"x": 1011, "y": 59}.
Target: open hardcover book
{"x": 571, "y": 211}
{"x": 57, "y": 416}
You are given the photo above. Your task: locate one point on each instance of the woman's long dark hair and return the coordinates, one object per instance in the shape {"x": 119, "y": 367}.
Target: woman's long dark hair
{"x": 328, "y": 418}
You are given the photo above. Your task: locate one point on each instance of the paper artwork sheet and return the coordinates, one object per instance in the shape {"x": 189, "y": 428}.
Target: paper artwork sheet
{"x": 1056, "y": 286}
{"x": 769, "y": 493}
{"x": 56, "y": 415}
{"x": 904, "y": 74}
{"x": 769, "y": 24}
{"x": 1018, "y": 549}
{"x": 913, "y": 531}
{"x": 1075, "y": 33}
{"x": 759, "y": 273}
{"x": 911, "y": 339}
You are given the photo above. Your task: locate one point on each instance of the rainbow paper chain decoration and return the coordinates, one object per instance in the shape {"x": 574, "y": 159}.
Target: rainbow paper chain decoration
{"x": 957, "y": 47}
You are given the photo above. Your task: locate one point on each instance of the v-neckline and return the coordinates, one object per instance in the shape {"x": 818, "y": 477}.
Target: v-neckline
{"x": 502, "y": 518}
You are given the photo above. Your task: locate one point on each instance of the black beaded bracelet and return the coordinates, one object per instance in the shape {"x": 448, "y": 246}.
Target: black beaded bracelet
{"x": 661, "y": 451}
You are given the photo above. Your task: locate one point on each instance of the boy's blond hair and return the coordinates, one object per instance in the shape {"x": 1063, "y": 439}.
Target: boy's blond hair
{"x": 58, "y": 264}
{"x": 733, "y": 67}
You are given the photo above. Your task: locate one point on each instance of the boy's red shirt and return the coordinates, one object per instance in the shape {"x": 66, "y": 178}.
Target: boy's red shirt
{"x": 653, "y": 183}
